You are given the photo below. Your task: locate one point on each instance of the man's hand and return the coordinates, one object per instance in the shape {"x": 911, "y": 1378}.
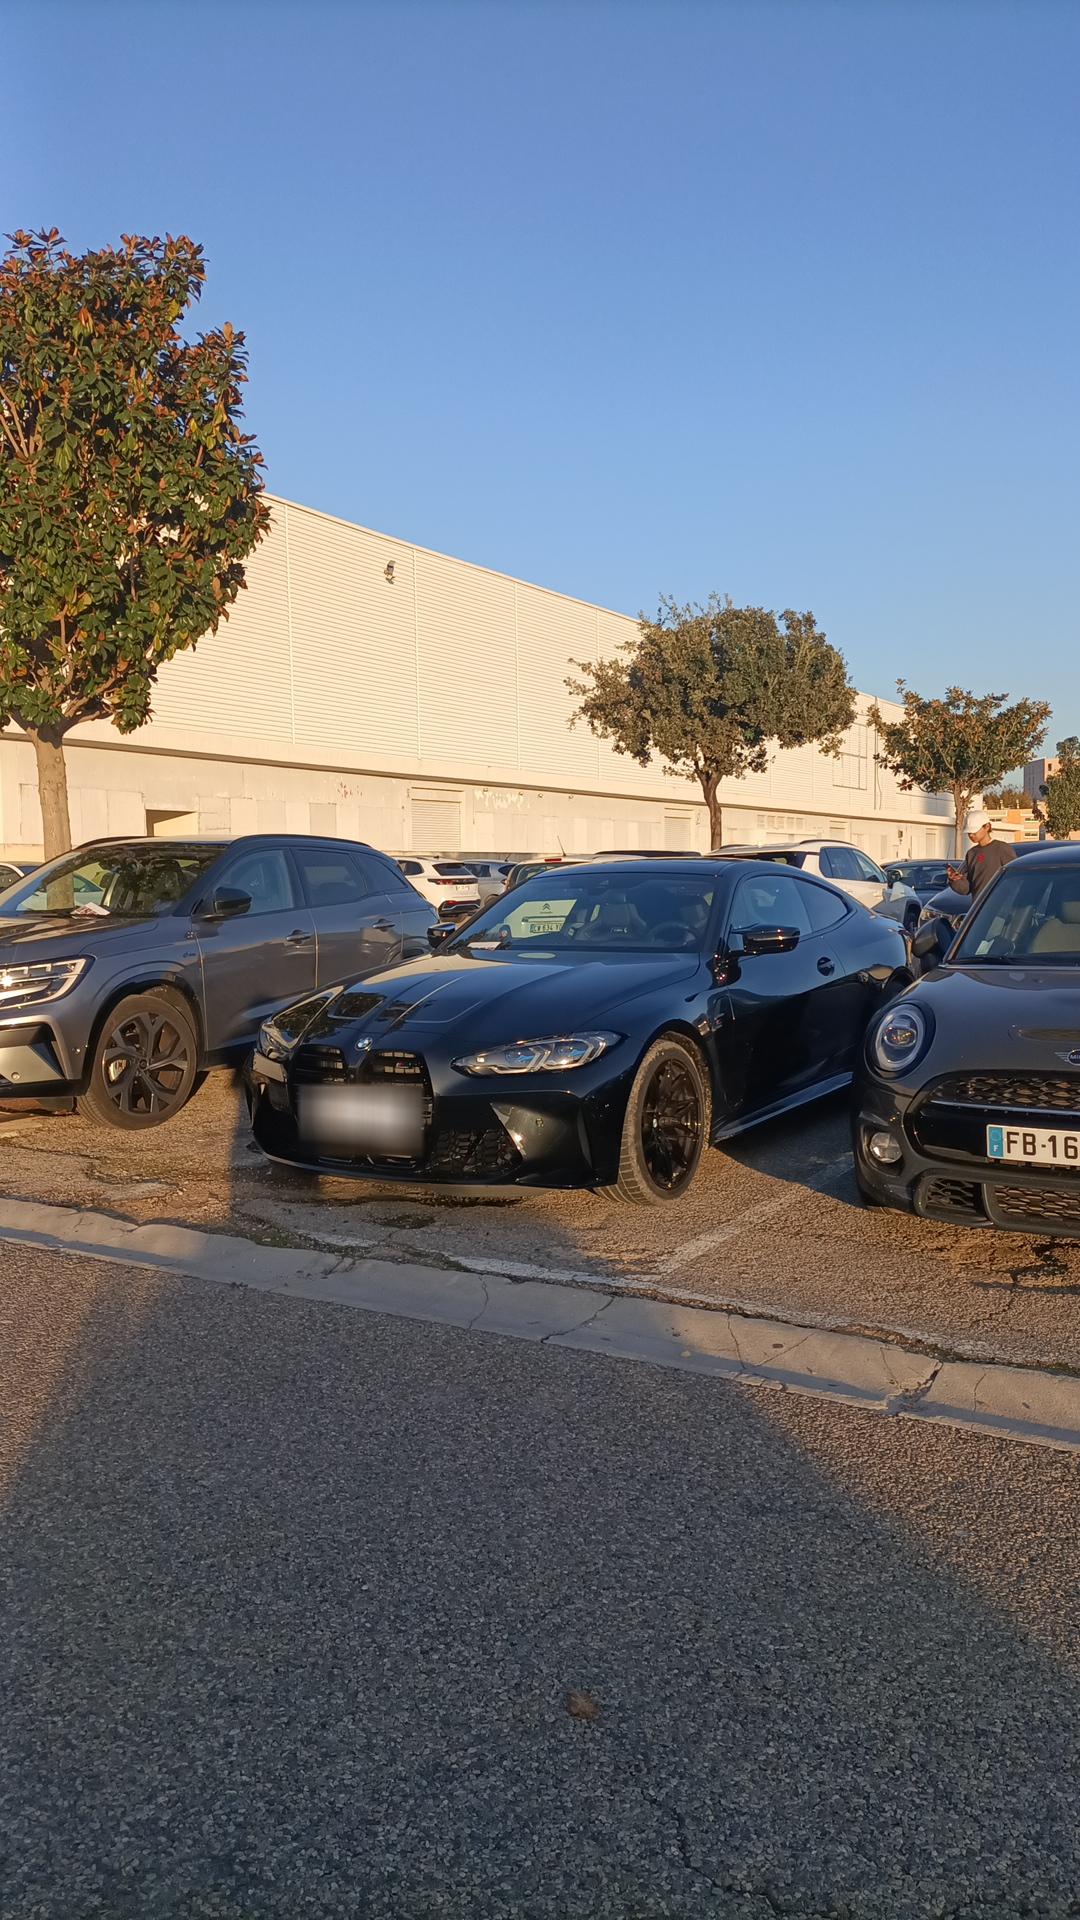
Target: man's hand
{"x": 955, "y": 874}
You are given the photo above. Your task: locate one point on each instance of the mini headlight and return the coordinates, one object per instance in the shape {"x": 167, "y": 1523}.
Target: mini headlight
{"x": 40, "y": 980}
{"x": 900, "y": 1038}
{"x": 539, "y": 1056}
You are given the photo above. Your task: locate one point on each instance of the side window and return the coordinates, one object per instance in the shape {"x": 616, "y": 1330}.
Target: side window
{"x": 387, "y": 876}
{"x": 769, "y": 900}
{"x": 411, "y": 867}
{"x": 868, "y": 871}
{"x": 264, "y": 873}
{"x": 825, "y": 908}
{"x": 840, "y": 863}
{"x": 332, "y": 877}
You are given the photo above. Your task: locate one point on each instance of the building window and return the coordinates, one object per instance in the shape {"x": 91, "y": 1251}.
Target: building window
{"x": 852, "y": 768}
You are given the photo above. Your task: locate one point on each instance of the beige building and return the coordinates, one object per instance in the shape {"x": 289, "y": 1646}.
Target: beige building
{"x": 367, "y": 687}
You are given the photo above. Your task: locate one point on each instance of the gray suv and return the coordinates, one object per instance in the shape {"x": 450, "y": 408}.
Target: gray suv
{"x": 130, "y": 966}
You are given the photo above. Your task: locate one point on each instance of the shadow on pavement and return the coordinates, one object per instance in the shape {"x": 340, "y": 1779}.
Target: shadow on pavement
{"x": 292, "y": 1598}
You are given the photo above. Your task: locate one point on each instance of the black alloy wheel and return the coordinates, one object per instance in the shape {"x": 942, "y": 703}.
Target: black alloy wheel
{"x": 145, "y": 1064}
{"x": 667, "y": 1124}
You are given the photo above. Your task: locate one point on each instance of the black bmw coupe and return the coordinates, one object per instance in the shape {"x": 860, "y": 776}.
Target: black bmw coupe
{"x": 595, "y": 1028}
{"x": 968, "y": 1103}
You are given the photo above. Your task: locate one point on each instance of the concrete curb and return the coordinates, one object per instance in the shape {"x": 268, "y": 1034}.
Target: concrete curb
{"x": 881, "y": 1377}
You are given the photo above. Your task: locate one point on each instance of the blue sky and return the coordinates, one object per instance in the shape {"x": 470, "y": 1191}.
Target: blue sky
{"x": 777, "y": 299}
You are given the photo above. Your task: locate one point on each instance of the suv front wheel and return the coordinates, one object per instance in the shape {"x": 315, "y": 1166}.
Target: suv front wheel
{"x": 145, "y": 1064}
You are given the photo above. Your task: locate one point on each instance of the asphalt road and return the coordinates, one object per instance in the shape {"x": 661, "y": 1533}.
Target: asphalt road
{"x": 291, "y": 1601}
{"x": 772, "y": 1225}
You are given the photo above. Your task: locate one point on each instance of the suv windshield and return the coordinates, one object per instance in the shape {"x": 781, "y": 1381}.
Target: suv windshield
{"x": 918, "y": 873}
{"x": 585, "y": 910}
{"x": 1028, "y": 915}
{"x": 111, "y": 880}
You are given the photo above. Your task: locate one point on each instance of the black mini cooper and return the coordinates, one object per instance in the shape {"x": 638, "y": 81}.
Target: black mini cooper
{"x": 967, "y": 1108}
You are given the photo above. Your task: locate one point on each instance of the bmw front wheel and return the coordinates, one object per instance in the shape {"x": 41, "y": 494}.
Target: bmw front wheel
{"x": 666, "y": 1125}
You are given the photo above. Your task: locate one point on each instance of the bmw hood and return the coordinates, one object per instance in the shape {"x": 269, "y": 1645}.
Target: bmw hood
{"x": 501, "y": 998}
{"x": 1006, "y": 1017}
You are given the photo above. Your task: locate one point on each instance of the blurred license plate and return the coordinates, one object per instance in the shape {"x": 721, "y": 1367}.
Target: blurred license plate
{"x": 1034, "y": 1146}
{"x": 544, "y": 926}
{"x": 376, "y": 1120}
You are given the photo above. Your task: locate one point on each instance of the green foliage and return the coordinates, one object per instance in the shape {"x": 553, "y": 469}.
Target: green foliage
{"x": 1061, "y": 807}
{"x": 709, "y": 690}
{"x": 129, "y": 497}
{"x": 959, "y": 745}
{"x": 1008, "y": 797}
{"x": 1069, "y": 748}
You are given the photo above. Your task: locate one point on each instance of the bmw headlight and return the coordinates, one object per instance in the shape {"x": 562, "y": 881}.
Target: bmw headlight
{"x": 900, "y": 1038}
{"x": 556, "y": 1055}
{"x": 40, "y": 980}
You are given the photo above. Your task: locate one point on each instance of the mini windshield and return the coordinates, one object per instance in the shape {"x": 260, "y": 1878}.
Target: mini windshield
{"x": 586, "y": 910}
{"x": 919, "y": 873}
{"x": 1028, "y": 916}
{"x": 101, "y": 882}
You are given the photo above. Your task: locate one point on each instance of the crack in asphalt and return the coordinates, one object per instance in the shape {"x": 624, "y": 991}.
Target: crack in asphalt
{"x": 480, "y": 1314}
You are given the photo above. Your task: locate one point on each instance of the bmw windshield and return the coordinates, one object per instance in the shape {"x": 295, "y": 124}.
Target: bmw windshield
{"x": 1028, "y": 917}
{"x": 107, "y": 881}
{"x": 590, "y": 911}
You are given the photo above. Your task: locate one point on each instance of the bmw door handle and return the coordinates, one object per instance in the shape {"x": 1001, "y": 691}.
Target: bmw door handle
{"x": 384, "y": 926}
{"x": 298, "y": 938}
{"x": 825, "y": 965}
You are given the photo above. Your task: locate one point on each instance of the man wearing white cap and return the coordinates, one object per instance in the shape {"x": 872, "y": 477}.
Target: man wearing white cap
{"x": 985, "y": 857}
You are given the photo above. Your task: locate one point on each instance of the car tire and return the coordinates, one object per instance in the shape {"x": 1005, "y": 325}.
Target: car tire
{"x": 666, "y": 1127}
{"x": 146, "y": 1062}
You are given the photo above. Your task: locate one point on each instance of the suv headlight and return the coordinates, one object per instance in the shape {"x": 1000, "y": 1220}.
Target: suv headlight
{"x": 539, "y": 1056}
{"x": 39, "y": 980}
{"x": 900, "y": 1038}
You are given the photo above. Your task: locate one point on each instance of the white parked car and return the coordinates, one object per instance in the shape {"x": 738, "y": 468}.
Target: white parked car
{"x": 446, "y": 883}
{"x": 849, "y": 868}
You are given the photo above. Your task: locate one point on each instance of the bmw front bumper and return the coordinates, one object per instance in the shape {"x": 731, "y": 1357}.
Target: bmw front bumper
{"x": 535, "y": 1130}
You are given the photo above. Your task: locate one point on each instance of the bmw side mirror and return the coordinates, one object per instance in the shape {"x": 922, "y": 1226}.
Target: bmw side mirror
{"x": 439, "y": 935}
{"x": 225, "y": 903}
{"x": 770, "y": 939}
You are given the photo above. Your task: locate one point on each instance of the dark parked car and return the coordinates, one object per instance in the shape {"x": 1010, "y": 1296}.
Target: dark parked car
{"x": 924, "y": 877}
{"x": 128, "y": 967}
{"x": 596, "y": 1028}
{"x": 968, "y": 1103}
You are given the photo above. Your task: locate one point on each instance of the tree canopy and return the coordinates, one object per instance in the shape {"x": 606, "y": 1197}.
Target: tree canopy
{"x": 1061, "y": 797}
{"x": 129, "y": 497}
{"x": 1069, "y": 748}
{"x": 960, "y": 744}
{"x": 709, "y": 690}
{"x": 1006, "y": 798}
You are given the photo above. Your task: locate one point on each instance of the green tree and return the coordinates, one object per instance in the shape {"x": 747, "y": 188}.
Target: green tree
{"x": 1069, "y": 748}
{"x": 1061, "y": 797}
{"x": 1008, "y": 797}
{"x": 710, "y": 690}
{"x": 959, "y": 745}
{"x": 129, "y": 497}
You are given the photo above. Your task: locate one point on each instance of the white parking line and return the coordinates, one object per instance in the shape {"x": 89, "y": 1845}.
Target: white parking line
{"x": 754, "y": 1216}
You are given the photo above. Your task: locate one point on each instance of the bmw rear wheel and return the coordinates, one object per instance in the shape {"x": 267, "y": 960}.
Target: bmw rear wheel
{"x": 145, "y": 1064}
{"x": 666, "y": 1126}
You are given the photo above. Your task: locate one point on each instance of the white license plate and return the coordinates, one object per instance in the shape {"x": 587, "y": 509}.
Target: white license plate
{"x": 544, "y": 926}
{"x": 1034, "y": 1146}
{"x": 358, "y": 1120}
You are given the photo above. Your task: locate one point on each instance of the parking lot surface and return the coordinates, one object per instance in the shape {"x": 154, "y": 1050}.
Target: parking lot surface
{"x": 292, "y": 1600}
{"x": 772, "y": 1225}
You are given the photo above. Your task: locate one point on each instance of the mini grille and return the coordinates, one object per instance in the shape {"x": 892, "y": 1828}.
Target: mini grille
{"x": 1041, "y": 1092}
{"x": 1038, "y": 1204}
{"x": 958, "y": 1198}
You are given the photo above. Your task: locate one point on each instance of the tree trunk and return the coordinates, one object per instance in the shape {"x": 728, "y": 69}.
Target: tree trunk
{"x": 709, "y": 787}
{"x": 52, "y": 791}
{"x": 961, "y": 809}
